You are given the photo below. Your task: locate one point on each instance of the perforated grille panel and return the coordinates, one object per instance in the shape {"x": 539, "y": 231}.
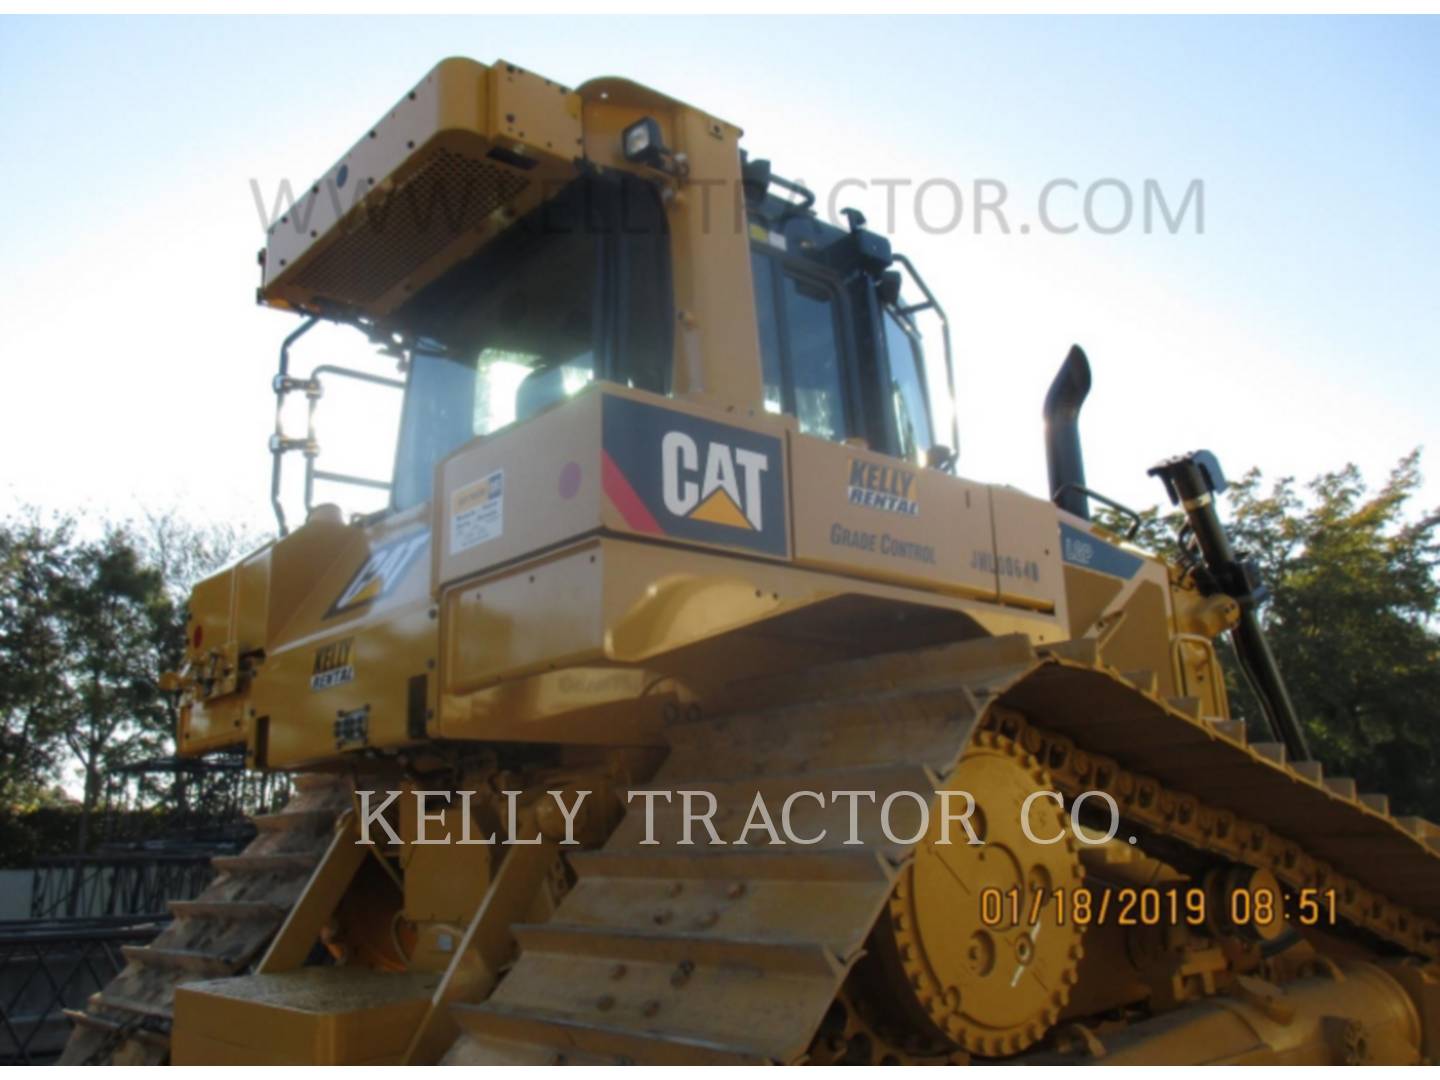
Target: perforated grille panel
{"x": 450, "y": 196}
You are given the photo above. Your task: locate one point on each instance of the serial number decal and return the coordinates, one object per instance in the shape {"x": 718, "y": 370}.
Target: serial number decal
{"x": 987, "y": 562}
{"x": 1153, "y": 906}
{"x": 332, "y": 665}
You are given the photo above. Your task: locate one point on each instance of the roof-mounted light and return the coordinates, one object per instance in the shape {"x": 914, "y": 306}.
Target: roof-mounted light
{"x": 642, "y": 143}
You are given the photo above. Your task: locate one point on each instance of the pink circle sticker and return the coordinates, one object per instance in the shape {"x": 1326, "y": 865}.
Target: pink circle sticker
{"x": 569, "y": 480}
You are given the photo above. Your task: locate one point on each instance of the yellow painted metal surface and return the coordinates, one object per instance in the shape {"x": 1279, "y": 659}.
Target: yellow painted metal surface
{"x": 539, "y": 512}
{"x": 709, "y": 241}
{"x": 329, "y": 881}
{"x": 311, "y": 1016}
{"x": 1026, "y": 553}
{"x": 863, "y": 513}
{"x": 497, "y": 136}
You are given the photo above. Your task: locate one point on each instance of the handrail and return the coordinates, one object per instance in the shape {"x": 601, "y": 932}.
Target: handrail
{"x": 281, "y": 443}
{"x": 278, "y": 440}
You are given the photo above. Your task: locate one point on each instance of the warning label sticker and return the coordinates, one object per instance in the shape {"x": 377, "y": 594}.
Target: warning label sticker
{"x": 477, "y": 513}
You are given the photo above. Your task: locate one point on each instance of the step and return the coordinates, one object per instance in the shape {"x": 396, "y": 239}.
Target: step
{"x": 294, "y": 820}
{"x": 226, "y": 909}
{"x": 681, "y": 946}
{"x": 192, "y": 960}
{"x": 264, "y": 864}
{"x": 104, "y": 999}
{"x": 474, "y": 1050}
{"x": 1188, "y": 706}
{"x": 1271, "y": 751}
{"x": 1344, "y": 787}
{"x": 111, "y": 1027}
{"x": 1310, "y": 770}
{"x": 747, "y": 864}
{"x": 1418, "y": 827}
{"x": 760, "y": 897}
{"x": 1144, "y": 680}
{"x": 1234, "y": 730}
{"x": 1379, "y": 803}
{"x": 620, "y": 1044}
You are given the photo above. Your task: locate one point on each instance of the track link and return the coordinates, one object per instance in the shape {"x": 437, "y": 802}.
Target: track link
{"x": 219, "y": 933}
{"x": 671, "y": 953}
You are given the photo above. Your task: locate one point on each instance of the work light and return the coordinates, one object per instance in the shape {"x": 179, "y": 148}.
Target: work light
{"x": 642, "y": 144}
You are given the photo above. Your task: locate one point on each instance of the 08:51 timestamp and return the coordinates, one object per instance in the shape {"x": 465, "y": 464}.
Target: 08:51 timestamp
{"x": 1154, "y": 906}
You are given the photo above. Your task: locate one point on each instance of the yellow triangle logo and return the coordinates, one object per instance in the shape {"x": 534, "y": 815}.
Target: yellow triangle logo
{"x": 720, "y": 509}
{"x": 368, "y": 591}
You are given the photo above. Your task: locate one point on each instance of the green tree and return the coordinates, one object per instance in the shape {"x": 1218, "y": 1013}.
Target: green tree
{"x": 34, "y": 561}
{"x": 1351, "y": 619}
{"x": 89, "y": 619}
{"x": 120, "y": 631}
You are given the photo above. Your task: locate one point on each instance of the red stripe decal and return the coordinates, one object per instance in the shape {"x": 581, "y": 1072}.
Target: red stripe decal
{"x": 636, "y": 514}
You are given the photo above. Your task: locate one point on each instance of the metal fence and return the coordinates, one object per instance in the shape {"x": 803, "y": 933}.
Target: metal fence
{"x": 49, "y": 965}
{"x": 157, "y": 827}
{"x": 123, "y": 883}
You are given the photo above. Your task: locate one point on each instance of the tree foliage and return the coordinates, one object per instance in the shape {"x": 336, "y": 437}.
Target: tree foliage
{"x": 90, "y": 616}
{"x": 33, "y": 570}
{"x": 120, "y": 630}
{"x": 1352, "y": 619}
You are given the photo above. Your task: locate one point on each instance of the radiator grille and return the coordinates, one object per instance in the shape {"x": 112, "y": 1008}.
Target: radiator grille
{"x": 447, "y": 198}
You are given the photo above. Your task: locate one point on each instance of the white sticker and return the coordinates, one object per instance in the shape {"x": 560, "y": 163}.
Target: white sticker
{"x": 477, "y": 513}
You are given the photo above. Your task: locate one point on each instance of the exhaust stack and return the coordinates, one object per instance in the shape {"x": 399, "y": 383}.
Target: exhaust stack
{"x": 1063, "y": 456}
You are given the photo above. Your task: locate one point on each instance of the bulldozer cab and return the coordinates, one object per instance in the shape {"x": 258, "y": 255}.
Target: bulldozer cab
{"x": 514, "y": 240}
{"x": 580, "y": 290}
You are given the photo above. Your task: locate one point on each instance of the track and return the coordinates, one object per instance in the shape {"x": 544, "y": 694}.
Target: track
{"x": 219, "y": 933}
{"x": 672, "y": 953}
{"x": 668, "y": 953}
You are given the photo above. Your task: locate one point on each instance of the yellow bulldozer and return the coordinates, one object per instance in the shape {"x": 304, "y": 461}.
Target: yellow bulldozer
{"x": 685, "y": 705}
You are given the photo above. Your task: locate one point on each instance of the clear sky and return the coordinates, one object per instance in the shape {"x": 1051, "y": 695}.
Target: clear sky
{"x": 1300, "y": 331}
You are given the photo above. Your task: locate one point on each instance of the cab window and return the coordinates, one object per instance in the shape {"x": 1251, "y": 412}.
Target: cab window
{"x": 575, "y": 291}
{"x": 907, "y": 390}
{"x": 768, "y": 321}
{"x": 800, "y": 348}
{"x": 814, "y": 358}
